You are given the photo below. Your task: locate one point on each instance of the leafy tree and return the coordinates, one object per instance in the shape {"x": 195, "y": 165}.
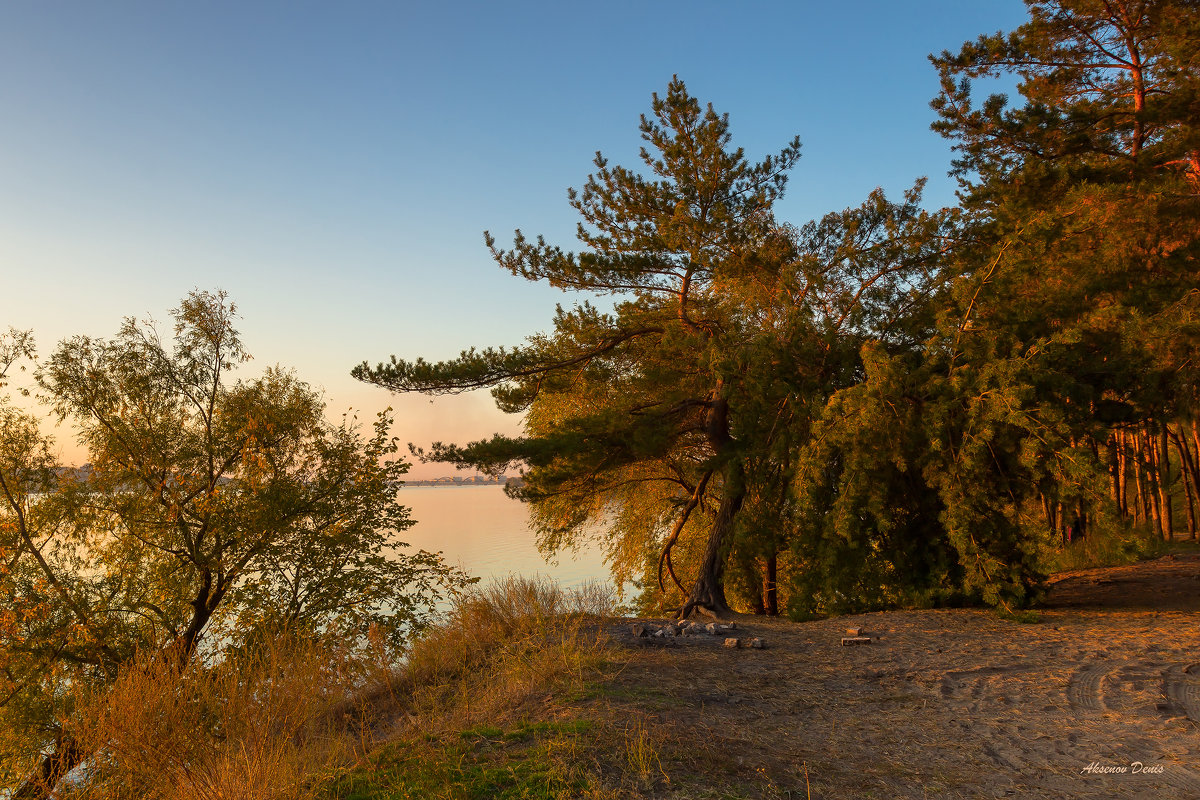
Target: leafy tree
{"x": 211, "y": 511}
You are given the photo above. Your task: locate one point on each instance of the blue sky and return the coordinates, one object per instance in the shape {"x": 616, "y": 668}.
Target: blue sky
{"x": 333, "y": 165}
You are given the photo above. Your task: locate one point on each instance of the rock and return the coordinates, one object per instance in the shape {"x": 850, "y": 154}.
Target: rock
{"x": 711, "y": 628}
{"x": 733, "y": 642}
{"x": 641, "y": 631}
{"x": 847, "y": 641}
{"x": 757, "y": 643}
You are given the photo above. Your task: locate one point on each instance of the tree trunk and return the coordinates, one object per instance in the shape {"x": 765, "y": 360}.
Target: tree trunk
{"x": 1139, "y": 503}
{"x": 1122, "y": 475}
{"x": 1114, "y": 469}
{"x": 708, "y": 595}
{"x": 39, "y": 785}
{"x": 771, "y": 586}
{"x": 1187, "y": 478}
{"x": 1164, "y": 485}
{"x": 1048, "y": 510}
{"x": 1154, "y": 496}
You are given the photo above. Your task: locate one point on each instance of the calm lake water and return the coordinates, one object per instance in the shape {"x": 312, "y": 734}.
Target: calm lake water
{"x": 487, "y": 534}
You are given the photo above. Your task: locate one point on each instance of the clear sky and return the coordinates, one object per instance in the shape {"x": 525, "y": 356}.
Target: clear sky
{"x": 332, "y": 166}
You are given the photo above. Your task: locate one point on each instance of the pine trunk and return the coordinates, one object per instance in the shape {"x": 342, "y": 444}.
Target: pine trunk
{"x": 1187, "y": 478}
{"x": 1114, "y": 470}
{"x": 771, "y": 586}
{"x": 1122, "y": 475}
{"x": 1141, "y": 509}
{"x": 1048, "y": 510}
{"x": 1164, "y": 485}
{"x": 708, "y": 595}
{"x": 1153, "y": 496}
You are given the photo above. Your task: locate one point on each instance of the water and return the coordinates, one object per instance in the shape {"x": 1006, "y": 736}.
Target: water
{"x": 487, "y": 533}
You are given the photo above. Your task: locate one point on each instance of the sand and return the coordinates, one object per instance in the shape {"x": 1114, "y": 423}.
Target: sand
{"x": 1099, "y": 699}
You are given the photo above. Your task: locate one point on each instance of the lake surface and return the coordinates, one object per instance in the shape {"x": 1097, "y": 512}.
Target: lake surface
{"x": 487, "y": 533}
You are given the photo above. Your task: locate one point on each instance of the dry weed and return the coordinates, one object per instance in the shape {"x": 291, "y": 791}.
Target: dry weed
{"x": 260, "y": 724}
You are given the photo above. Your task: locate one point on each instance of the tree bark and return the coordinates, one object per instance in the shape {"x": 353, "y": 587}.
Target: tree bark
{"x": 708, "y": 594}
{"x": 1188, "y": 478}
{"x": 1122, "y": 475}
{"x": 1141, "y": 508}
{"x": 1164, "y": 485}
{"x": 771, "y": 585}
{"x": 1154, "y": 496}
{"x": 66, "y": 756}
{"x": 1048, "y": 510}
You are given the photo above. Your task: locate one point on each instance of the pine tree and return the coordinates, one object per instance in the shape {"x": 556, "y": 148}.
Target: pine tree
{"x": 1077, "y": 298}
{"x": 647, "y": 395}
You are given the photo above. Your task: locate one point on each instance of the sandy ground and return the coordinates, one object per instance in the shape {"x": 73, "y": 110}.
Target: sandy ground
{"x": 1100, "y": 699}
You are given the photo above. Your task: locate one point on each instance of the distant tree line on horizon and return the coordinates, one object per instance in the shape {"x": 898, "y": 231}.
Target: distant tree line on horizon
{"x": 458, "y": 480}
{"x": 888, "y": 405}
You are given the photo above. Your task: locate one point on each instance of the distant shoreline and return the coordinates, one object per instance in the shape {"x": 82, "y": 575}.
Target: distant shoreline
{"x": 454, "y": 483}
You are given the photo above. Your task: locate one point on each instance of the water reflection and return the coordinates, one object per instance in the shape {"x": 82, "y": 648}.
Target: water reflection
{"x": 487, "y": 533}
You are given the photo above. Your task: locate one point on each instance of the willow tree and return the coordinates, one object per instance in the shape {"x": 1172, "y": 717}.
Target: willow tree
{"x": 649, "y": 394}
{"x": 214, "y": 509}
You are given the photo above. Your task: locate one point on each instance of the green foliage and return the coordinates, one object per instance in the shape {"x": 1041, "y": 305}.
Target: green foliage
{"x": 212, "y": 512}
{"x": 531, "y": 760}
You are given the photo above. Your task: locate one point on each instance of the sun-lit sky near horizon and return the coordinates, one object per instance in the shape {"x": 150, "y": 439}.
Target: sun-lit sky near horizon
{"x": 332, "y": 166}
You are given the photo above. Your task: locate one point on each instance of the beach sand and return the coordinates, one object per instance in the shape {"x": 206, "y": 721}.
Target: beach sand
{"x": 1101, "y": 698}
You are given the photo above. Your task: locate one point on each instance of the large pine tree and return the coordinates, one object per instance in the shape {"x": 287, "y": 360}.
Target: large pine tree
{"x": 639, "y": 405}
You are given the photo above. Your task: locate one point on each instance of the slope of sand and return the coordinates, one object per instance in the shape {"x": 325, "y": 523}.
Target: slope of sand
{"x": 1100, "y": 699}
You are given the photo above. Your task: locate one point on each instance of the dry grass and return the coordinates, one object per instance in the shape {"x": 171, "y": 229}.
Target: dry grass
{"x": 499, "y": 646}
{"x": 258, "y": 725}
{"x": 286, "y": 718}
{"x": 483, "y": 704}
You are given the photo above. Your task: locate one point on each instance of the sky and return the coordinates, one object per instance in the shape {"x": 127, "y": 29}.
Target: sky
{"x": 332, "y": 166}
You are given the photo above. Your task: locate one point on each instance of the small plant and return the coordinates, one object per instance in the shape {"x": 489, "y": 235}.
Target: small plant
{"x": 641, "y": 754}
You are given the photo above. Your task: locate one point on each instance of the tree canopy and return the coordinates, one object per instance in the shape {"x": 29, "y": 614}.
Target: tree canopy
{"x": 667, "y": 420}
{"x": 212, "y": 510}
{"x": 886, "y": 405}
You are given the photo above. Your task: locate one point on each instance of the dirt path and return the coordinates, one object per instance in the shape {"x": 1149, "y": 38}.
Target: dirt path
{"x": 1100, "y": 699}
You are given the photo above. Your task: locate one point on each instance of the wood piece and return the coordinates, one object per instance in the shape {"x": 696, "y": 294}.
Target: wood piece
{"x": 848, "y": 641}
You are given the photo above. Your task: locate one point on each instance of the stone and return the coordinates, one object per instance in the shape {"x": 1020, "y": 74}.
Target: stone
{"x": 847, "y": 641}
{"x": 641, "y": 631}
{"x": 711, "y": 628}
{"x": 733, "y": 642}
{"x": 757, "y": 643}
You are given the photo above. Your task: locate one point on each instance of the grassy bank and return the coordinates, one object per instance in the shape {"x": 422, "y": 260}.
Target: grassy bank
{"x": 506, "y": 699}
{"x": 503, "y": 698}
